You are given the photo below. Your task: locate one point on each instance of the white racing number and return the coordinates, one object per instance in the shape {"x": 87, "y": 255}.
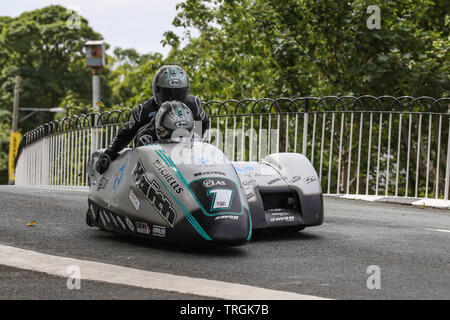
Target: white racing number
{"x": 221, "y": 198}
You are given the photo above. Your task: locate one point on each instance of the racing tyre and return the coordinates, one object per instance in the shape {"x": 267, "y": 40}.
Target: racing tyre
{"x": 89, "y": 218}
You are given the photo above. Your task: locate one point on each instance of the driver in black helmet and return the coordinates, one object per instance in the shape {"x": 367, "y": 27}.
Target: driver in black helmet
{"x": 169, "y": 83}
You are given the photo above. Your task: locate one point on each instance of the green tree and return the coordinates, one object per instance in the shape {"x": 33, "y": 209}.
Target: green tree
{"x": 130, "y": 76}
{"x": 257, "y": 48}
{"x": 229, "y": 59}
{"x": 48, "y": 55}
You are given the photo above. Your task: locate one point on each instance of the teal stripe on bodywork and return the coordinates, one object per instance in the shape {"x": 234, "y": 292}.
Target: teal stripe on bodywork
{"x": 172, "y": 165}
{"x": 250, "y": 221}
{"x": 249, "y": 213}
{"x": 187, "y": 214}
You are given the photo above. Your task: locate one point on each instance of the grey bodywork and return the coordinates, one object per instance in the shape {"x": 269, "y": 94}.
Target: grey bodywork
{"x": 189, "y": 174}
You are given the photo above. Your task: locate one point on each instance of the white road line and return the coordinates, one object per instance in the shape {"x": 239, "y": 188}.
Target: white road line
{"x": 439, "y": 230}
{"x": 96, "y": 271}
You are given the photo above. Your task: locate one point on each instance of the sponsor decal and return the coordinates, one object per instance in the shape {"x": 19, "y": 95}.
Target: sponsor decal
{"x": 265, "y": 171}
{"x": 151, "y": 190}
{"x": 286, "y": 219}
{"x": 174, "y": 82}
{"x": 273, "y": 181}
{"x": 134, "y": 200}
{"x": 278, "y": 212}
{"x": 222, "y": 198}
{"x": 250, "y": 195}
{"x": 244, "y": 168}
{"x": 294, "y": 179}
{"x": 159, "y": 231}
{"x": 165, "y": 173}
{"x": 142, "y": 227}
{"x": 250, "y": 182}
{"x": 245, "y": 175}
{"x": 309, "y": 179}
{"x": 118, "y": 176}
{"x": 264, "y": 174}
{"x": 129, "y": 223}
{"x": 209, "y": 183}
{"x": 230, "y": 217}
{"x": 209, "y": 173}
{"x": 202, "y": 161}
{"x": 181, "y": 124}
{"x": 102, "y": 183}
{"x": 217, "y": 195}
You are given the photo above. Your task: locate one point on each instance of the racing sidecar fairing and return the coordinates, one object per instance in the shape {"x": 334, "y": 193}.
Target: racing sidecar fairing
{"x": 283, "y": 191}
{"x": 190, "y": 193}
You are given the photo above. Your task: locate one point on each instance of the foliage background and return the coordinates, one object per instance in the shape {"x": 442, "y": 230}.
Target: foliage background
{"x": 246, "y": 49}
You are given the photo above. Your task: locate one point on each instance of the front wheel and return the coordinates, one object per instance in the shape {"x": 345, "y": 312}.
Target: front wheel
{"x": 89, "y": 218}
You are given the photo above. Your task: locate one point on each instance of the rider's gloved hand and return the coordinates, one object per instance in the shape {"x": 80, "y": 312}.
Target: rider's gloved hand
{"x": 103, "y": 163}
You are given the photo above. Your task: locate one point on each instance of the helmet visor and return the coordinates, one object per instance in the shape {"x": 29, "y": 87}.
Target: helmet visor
{"x": 170, "y": 94}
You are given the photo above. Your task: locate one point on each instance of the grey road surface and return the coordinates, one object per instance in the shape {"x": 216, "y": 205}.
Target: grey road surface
{"x": 328, "y": 261}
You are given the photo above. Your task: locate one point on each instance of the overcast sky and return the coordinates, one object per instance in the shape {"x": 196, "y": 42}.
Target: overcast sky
{"x": 138, "y": 24}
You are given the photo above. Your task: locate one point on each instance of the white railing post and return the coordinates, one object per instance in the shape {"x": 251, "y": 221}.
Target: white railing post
{"x": 447, "y": 168}
{"x": 305, "y": 133}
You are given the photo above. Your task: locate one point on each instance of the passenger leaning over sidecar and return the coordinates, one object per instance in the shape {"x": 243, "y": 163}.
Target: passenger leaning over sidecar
{"x": 174, "y": 120}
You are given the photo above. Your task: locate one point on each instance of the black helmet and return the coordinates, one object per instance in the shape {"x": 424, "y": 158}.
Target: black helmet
{"x": 171, "y": 116}
{"x": 170, "y": 83}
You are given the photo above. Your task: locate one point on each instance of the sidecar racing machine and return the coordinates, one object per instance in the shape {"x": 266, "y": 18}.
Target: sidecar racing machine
{"x": 190, "y": 193}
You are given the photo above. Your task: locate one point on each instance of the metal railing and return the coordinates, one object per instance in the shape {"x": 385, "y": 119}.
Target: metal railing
{"x": 393, "y": 146}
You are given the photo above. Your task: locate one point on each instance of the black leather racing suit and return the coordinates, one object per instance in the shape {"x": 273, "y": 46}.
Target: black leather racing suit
{"x": 141, "y": 117}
